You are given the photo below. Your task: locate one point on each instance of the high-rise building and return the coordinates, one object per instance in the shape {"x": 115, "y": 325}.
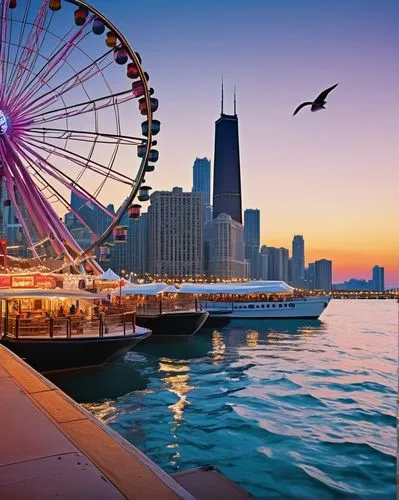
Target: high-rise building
{"x": 94, "y": 217}
{"x": 202, "y": 178}
{"x": 378, "y": 281}
{"x": 202, "y": 184}
{"x": 298, "y": 261}
{"x": 309, "y": 277}
{"x": 323, "y": 275}
{"x": 80, "y": 233}
{"x": 277, "y": 263}
{"x": 226, "y": 254}
{"x": 264, "y": 263}
{"x": 284, "y": 254}
{"x": 252, "y": 241}
{"x": 289, "y": 271}
{"x": 226, "y": 168}
{"x": 176, "y": 233}
{"x": 138, "y": 245}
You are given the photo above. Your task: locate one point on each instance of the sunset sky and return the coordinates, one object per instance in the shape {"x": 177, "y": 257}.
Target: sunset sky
{"x": 332, "y": 176}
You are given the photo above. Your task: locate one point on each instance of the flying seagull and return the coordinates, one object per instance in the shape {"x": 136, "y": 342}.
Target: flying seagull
{"x": 318, "y": 103}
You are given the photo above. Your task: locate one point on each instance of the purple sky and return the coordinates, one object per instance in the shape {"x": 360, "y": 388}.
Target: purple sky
{"x": 332, "y": 175}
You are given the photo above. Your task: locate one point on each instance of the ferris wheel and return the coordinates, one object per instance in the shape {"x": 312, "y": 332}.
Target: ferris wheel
{"x": 76, "y": 130}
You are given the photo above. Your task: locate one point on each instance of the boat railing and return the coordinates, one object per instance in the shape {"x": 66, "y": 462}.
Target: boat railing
{"x": 156, "y": 306}
{"x": 68, "y": 327}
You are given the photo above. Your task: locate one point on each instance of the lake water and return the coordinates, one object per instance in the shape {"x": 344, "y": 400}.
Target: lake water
{"x": 285, "y": 408}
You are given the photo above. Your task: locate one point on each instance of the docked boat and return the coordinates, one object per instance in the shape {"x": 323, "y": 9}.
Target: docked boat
{"x": 162, "y": 309}
{"x": 65, "y": 329}
{"x": 255, "y": 300}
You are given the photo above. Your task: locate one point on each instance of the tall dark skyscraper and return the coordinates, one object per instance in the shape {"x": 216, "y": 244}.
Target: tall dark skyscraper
{"x": 226, "y": 168}
{"x": 298, "y": 261}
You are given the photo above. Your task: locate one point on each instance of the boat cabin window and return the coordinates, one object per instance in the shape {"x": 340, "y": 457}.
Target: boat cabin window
{"x": 251, "y": 306}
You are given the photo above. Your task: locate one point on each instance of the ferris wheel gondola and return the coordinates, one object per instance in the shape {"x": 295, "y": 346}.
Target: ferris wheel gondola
{"x": 72, "y": 91}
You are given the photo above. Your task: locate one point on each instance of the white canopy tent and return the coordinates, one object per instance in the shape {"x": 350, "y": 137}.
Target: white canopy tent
{"x": 109, "y": 275}
{"x": 145, "y": 289}
{"x": 248, "y": 287}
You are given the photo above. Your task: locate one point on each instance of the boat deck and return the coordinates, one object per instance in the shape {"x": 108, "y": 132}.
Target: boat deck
{"x": 50, "y": 446}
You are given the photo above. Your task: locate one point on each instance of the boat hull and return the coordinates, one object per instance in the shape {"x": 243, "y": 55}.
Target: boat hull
{"x": 56, "y": 354}
{"x": 173, "y": 323}
{"x": 306, "y": 308}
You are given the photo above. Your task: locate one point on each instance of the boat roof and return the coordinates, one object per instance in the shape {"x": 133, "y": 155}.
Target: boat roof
{"x": 53, "y": 293}
{"x": 248, "y": 287}
{"x": 146, "y": 289}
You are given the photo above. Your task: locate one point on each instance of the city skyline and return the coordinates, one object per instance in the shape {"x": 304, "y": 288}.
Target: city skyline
{"x": 321, "y": 174}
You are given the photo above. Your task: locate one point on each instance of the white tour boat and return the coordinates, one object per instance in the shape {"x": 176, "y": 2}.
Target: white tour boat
{"x": 256, "y": 300}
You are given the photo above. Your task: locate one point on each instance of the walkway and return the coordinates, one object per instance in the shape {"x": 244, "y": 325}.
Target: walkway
{"x": 50, "y": 446}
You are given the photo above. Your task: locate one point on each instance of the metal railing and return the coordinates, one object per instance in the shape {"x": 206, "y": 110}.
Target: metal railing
{"x": 68, "y": 327}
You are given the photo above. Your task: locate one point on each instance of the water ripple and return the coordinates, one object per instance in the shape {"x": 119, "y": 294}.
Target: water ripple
{"x": 293, "y": 409}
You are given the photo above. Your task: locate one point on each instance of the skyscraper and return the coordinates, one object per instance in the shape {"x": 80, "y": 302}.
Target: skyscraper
{"x": 202, "y": 184}
{"x": 323, "y": 274}
{"x": 377, "y": 281}
{"x": 225, "y": 242}
{"x": 309, "y": 276}
{"x": 264, "y": 263}
{"x": 277, "y": 263}
{"x": 176, "y": 233}
{"x": 138, "y": 244}
{"x": 202, "y": 178}
{"x": 226, "y": 168}
{"x": 298, "y": 261}
{"x": 95, "y": 218}
{"x": 252, "y": 241}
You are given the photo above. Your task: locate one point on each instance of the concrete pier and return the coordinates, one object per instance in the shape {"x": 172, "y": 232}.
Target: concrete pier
{"x": 51, "y": 447}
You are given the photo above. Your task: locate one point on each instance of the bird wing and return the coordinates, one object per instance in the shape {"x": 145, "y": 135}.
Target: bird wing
{"x": 301, "y": 106}
{"x": 325, "y": 93}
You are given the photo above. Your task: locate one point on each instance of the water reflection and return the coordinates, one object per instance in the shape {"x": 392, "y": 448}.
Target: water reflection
{"x": 252, "y": 339}
{"x": 218, "y": 347}
{"x": 176, "y": 380}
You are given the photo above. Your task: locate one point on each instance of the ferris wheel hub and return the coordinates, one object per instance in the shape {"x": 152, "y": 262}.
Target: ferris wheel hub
{"x": 5, "y": 123}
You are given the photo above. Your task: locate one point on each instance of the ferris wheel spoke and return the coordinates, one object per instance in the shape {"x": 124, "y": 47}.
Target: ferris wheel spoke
{"x": 91, "y": 106}
{"x": 94, "y": 166}
{"x": 40, "y": 210}
{"x": 60, "y": 198}
{"x": 44, "y": 217}
{"x": 43, "y": 101}
{"x": 11, "y": 189}
{"x": 28, "y": 55}
{"x": 3, "y": 47}
{"x": 51, "y": 67}
{"x": 60, "y": 176}
{"x": 85, "y": 136}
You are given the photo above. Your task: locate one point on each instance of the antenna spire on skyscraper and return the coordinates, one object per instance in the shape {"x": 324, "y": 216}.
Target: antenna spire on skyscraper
{"x": 235, "y": 101}
{"x": 221, "y": 109}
